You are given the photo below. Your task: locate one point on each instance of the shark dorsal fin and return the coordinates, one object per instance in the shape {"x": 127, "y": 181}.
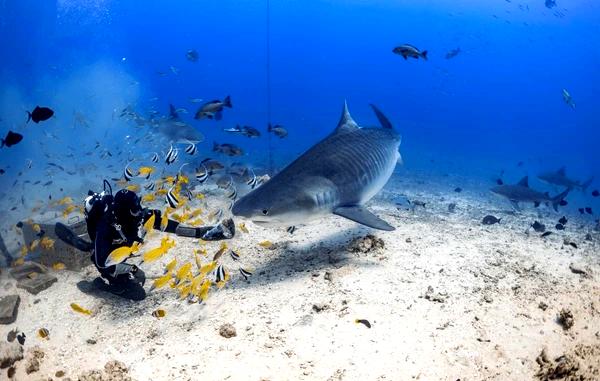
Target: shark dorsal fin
{"x": 346, "y": 122}
{"x": 524, "y": 182}
{"x": 562, "y": 171}
{"x": 383, "y": 120}
{"x": 173, "y": 112}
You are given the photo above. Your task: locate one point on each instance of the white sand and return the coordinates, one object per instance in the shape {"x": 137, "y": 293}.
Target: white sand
{"x": 490, "y": 281}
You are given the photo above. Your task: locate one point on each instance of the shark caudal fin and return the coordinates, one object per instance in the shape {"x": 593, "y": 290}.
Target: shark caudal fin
{"x": 556, "y": 200}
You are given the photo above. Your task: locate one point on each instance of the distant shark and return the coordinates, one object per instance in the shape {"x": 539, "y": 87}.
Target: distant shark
{"x": 337, "y": 175}
{"x": 521, "y": 192}
{"x": 176, "y": 129}
{"x": 560, "y": 178}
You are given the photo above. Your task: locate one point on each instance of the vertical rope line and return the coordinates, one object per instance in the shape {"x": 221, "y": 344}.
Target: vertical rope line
{"x": 270, "y": 147}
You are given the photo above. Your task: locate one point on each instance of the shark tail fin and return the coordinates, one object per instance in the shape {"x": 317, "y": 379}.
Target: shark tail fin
{"x": 227, "y": 102}
{"x": 585, "y": 185}
{"x": 424, "y": 54}
{"x": 557, "y": 200}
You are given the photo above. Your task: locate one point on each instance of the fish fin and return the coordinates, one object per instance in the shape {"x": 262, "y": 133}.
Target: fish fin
{"x": 562, "y": 171}
{"x": 28, "y": 116}
{"x": 362, "y": 216}
{"x": 585, "y": 185}
{"x": 383, "y": 120}
{"x": 346, "y": 123}
{"x": 515, "y": 205}
{"x": 524, "y": 182}
{"x": 405, "y": 57}
{"x": 556, "y": 200}
{"x": 227, "y": 102}
{"x": 219, "y": 115}
{"x": 399, "y": 161}
{"x": 424, "y": 54}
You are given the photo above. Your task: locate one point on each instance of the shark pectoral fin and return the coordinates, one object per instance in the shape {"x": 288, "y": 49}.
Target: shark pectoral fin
{"x": 515, "y": 205}
{"x": 362, "y": 216}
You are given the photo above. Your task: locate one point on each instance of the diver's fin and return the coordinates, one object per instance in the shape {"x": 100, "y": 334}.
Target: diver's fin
{"x": 524, "y": 182}
{"x": 383, "y": 120}
{"x": 362, "y": 216}
{"x": 69, "y": 237}
{"x": 346, "y": 123}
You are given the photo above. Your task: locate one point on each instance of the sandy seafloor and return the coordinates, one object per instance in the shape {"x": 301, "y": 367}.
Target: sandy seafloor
{"x": 448, "y": 298}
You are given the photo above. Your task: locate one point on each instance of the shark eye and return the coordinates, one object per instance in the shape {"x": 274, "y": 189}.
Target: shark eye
{"x": 265, "y": 212}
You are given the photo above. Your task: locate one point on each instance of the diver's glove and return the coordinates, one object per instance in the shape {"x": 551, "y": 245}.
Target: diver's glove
{"x": 224, "y": 230}
{"x": 139, "y": 276}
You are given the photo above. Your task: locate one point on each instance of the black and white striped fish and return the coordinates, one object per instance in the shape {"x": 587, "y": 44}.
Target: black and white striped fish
{"x": 149, "y": 186}
{"x": 189, "y": 194}
{"x": 155, "y": 158}
{"x": 235, "y": 256}
{"x": 171, "y": 199}
{"x": 191, "y": 149}
{"x": 202, "y": 174}
{"x": 291, "y": 229}
{"x": 252, "y": 181}
{"x": 171, "y": 155}
{"x": 245, "y": 273}
{"x": 231, "y": 193}
{"x": 220, "y": 274}
{"x": 128, "y": 173}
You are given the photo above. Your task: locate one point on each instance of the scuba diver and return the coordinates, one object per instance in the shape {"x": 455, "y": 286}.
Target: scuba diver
{"x": 116, "y": 221}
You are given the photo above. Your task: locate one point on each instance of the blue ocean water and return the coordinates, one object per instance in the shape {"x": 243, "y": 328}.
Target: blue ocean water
{"x": 496, "y": 107}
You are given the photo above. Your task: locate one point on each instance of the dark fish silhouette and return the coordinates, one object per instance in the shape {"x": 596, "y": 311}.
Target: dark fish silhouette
{"x": 596, "y": 193}
{"x": 560, "y": 227}
{"x": 490, "y": 220}
{"x": 588, "y": 210}
{"x": 458, "y": 189}
{"x": 546, "y": 234}
{"x": 11, "y": 139}
{"x": 39, "y": 114}
{"x": 538, "y": 227}
{"x": 408, "y": 50}
{"x": 192, "y": 55}
{"x": 563, "y": 220}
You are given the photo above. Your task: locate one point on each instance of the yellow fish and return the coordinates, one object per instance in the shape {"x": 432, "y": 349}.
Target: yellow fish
{"x": 169, "y": 179}
{"x": 145, "y": 171}
{"x": 68, "y": 210}
{"x": 161, "y": 192}
{"x": 243, "y": 227}
{"x": 203, "y": 292}
{"x": 133, "y": 188}
{"x": 154, "y": 254}
{"x": 77, "y": 308}
{"x": 220, "y": 252}
{"x": 64, "y": 201}
{"x": 149, "y": 224}
{"x": 148, "y": 197}
{"x": 161, "y": 281}
{"x": 200, "y": 196}
{"x": 23, "y": 250}
{"x": 160, "y": 313}
{"x": 34, "y": 244}
{"x": 36, "y": 228}
{"x": 184, "y": 272}
{"x": 47, "y": 243}
{"x": 18, "y": 262}
{"x": 118, "y": 255}
{"x": 195, "y": 213}
{"x": 266, "y": 244}
{"x": 184, "y": 291}
{"x": 164, "y": 220}
{"x": 208, "y": 268}
{"x": 58, "y": 266}
{"x": 171, "y": 265}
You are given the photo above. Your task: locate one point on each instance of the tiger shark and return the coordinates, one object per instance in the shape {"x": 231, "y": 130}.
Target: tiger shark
{"x": 521, "y": 192}
{"x": 560, "y": 178}
{"x": 338, "y": 175}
